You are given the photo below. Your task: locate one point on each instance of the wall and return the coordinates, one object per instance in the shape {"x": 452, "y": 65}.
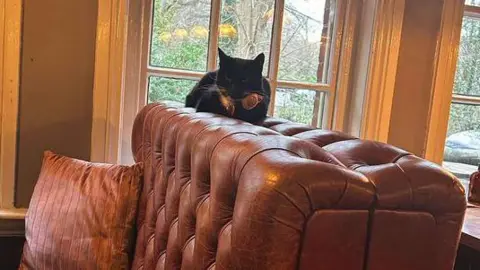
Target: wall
{"x": 56, "y": 92}
{"x": 413, "y": 85}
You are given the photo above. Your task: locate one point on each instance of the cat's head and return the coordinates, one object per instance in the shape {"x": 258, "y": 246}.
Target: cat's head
{"x": 239, "y": 77}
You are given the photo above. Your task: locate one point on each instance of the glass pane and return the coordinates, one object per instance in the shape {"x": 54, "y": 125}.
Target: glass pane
{"x": 299, "y": 105}
{"x": 246, "y": 28}
{"x": 472, "y": 2}
{"x": 163, "y": 89}
{"x": 307, "y": 40}
{"x": 467, "y": 80}
{"x": 180, "y": 34}
{"x": 462, "y": 148}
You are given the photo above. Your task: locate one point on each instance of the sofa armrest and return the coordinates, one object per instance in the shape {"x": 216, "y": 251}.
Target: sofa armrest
{"x": 419, "y": 206}
{"x": 290, "y": 206}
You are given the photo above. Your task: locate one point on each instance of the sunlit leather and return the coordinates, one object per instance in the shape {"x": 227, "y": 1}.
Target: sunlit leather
{"x": 222, "y": 194}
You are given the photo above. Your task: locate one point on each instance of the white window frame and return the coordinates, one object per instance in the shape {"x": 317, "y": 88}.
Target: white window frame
{"x": 120, "y": 88}
{"x": 275, "y": 82}
{"x": 10, "y": 42}
{"x": 121, "y": 75}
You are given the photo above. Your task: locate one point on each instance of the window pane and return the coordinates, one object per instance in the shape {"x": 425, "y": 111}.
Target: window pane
{"x": 306, "y": 40}
{"x": 163, "y": 89}
{"x": 246, "y": 28}
{"x": 467, "y": 80}
{"x": 180, "y": 34}
{"x": 298, "y": 105}
{"x": 462, "y": 148}
{"x": 472, "y": 2}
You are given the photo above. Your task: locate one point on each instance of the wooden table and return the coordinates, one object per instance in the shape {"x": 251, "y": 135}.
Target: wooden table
{"x": 471, "y": 228}
{"x": 468, "y": 255}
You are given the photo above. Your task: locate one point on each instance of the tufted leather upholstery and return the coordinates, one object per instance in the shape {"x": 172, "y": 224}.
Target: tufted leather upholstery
{"x": 223, "y": 194}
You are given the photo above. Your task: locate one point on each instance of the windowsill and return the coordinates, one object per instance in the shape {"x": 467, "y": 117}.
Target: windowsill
{"x": 13, "y": 214}
{"x": 461, "y": 171}
{"x": 12, "y": 222}
{"x": 12, "y": 227}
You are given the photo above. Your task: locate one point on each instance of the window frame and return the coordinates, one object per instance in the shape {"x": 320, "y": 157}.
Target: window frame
{"x": 120, "y": 92}
{"x": 443, "y": 96}
{"x": 462, "y": 99}
{"x": 469, "y": 12}
{"x": 10, "y": 43}
{"x": 328, "y": 88}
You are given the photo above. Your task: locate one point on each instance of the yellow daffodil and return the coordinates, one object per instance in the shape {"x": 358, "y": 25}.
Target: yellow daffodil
{"x": 199, "y": 32}
{"x": 180, "y": 33}
{"x": 165, "y": 36}
{"x": 227, "y": 30}
{"x": 269, "y": 14}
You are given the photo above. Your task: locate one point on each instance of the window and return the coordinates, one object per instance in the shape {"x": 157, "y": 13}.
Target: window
{"x": 462, "y": 148}
{"x": 475, "y": 3}
{"x": 299, "y": 37}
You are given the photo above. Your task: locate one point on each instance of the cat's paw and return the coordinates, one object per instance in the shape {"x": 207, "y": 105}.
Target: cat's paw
{"x": 228, "y": 104}
{"x": 251, "y": 101}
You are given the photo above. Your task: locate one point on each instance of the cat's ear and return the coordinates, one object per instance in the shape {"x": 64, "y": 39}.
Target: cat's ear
{"x": 259, "y": 61}
{"x": 222, "y": 56}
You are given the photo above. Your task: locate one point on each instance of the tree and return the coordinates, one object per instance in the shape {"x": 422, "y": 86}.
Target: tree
{"x": 180, "y": 40}
{"x": 467, "y": 78}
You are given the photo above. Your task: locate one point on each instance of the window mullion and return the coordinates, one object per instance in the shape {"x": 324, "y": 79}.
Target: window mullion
{"x": 213, "y": 37}
{"x": 472, "y": 11}
{"x": 174, "y": 73}
{"x": 147, "y": 28}
{"x": 334, "y": 61}
{"x": 463, "y": 99}
{"x": 303, "y": 85}
{"x": 322, "y": 72}
{"x": 316, "y": 108}
{"x": 275, "y": 51}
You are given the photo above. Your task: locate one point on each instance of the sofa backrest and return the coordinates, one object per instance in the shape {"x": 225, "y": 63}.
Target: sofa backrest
{"x": 223, "y": 194}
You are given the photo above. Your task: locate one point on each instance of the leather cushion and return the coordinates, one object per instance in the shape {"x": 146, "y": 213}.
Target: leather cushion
{"x": 82, "y": 215}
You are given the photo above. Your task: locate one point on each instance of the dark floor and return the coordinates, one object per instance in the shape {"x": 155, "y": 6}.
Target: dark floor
{"x": 467, "y": 259}
{"x": 10, "y": 252}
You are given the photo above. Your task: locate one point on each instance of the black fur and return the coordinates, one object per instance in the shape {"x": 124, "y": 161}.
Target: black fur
{"x": 238, "y": 77}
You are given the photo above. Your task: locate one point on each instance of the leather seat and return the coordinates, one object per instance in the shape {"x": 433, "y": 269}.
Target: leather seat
{"x": 223, "y": 194}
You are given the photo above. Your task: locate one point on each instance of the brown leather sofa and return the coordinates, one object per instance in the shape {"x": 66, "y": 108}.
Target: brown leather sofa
{"x": 223, "y": 194}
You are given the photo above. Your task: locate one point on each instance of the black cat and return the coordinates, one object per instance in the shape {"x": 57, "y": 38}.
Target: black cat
{"x": 235, "y": 79}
